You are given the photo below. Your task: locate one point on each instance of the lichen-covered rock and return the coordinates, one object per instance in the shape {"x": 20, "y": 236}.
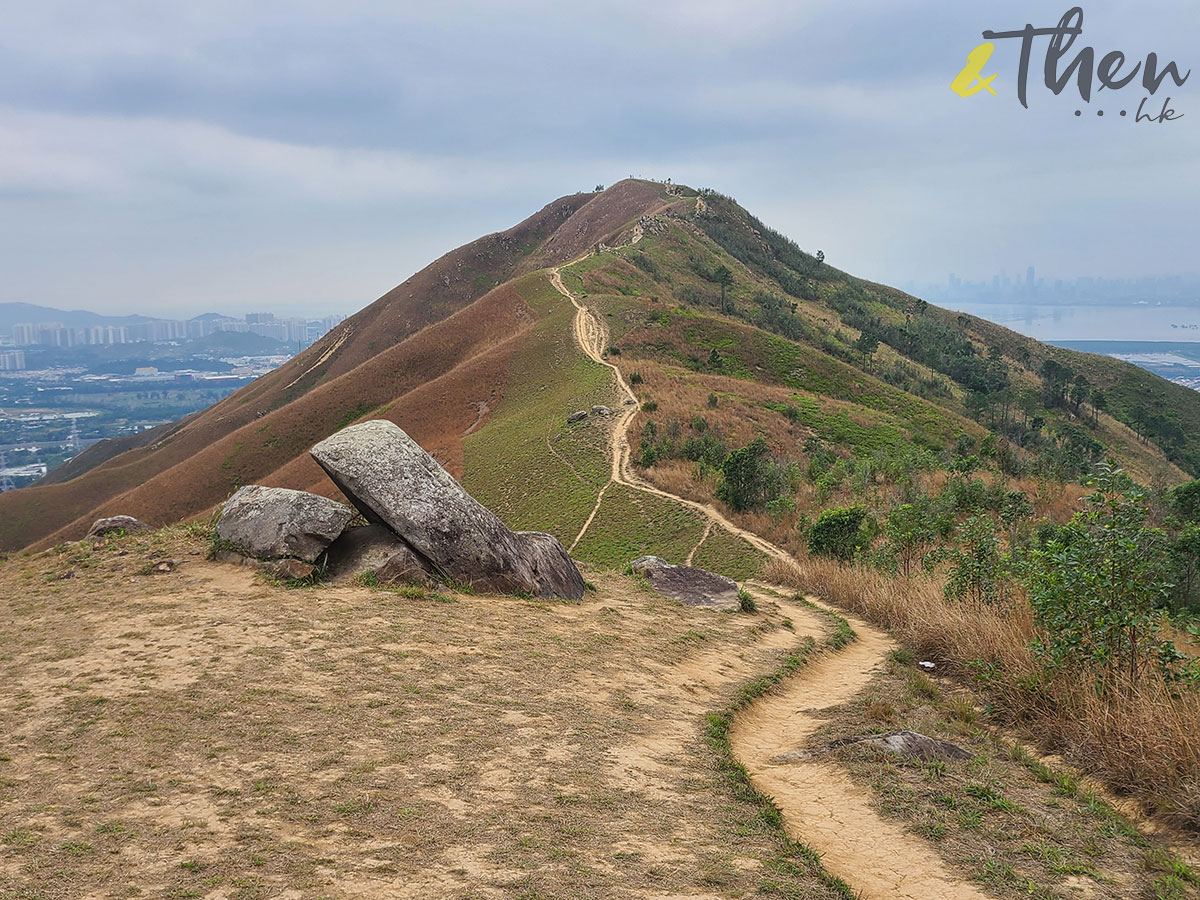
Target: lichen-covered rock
{"x": 554, "y": 574}
{"x": 687, "y": 584}
{"x": 272, "y": 523}
{"x": 911, "y": 743}
{"x": 374, "y": 550}
{"x": 115, "y": 525}
{"x": 577, "y": 416}
{"x": 394, "y": 482}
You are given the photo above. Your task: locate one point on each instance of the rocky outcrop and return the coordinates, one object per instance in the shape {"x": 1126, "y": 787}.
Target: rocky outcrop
{"x": 394, "y": 482}
{"x": 374, "y": 550}
{"x": 577, "y": 416}
{"x": 274, "y": 523}
{"x": 687, "y": 584}
{"x": 115, "y": 525}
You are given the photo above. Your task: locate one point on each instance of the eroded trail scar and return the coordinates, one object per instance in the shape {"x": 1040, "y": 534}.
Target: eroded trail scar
{"x": 820, "y": 805}
{"x": 592, "y": 338}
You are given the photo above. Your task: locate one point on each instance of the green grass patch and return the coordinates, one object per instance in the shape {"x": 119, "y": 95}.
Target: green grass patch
{"x": 729, "y": 555}
{"x": 525, "y": 464}
{"x": 632, "y": 523}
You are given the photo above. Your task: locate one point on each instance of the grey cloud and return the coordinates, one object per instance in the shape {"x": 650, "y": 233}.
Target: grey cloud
{"x": 187, "y": 150}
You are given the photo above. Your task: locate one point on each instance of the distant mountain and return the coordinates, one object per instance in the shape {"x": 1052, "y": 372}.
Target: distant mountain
{"x": 18, "y": 313}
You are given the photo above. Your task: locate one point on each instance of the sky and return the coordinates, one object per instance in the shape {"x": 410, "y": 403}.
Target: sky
{"x": 303, "y": 157}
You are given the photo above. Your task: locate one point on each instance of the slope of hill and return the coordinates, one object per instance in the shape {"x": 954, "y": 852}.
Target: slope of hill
{"x": 730, "y": 331}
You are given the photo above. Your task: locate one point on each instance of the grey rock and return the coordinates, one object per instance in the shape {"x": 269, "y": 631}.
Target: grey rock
{"x": 270, "y": 523}
{"x": 114, "y": 525}
{"x": 553, "y": 572}
{"x": 599, "y": 410}
{"x": 577, "y": 417}
{"x": 374, "y": 549}
{"x": 910, "y": 743}
{"x": 394, "y": 482}
{"x": 287, "y": 568}
{"x": 629, "y": 401}
{"x": 687, "y": 584}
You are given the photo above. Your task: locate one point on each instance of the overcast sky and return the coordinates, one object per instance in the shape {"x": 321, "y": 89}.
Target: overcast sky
{"x": 304, "y": 156}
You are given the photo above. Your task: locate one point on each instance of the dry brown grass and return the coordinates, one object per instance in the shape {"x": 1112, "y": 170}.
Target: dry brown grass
{"x": 206, "y": 733}
{"x": 1141, "y": 740}
{"x": 998, "y": 818}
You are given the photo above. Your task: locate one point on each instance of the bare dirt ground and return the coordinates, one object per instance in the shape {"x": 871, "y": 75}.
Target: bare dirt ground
{"x": 204, "y": 733}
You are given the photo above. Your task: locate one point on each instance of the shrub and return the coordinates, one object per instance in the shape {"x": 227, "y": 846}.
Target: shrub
{"x": 646, "y": 264}
{"x": 1095, "y": 596}
{"x": 977, "y": 569}
{"x": 654, "y": 446}
{"x": 706, "y": 447}
{"x": 1185, "y": 501}
{"x": 838, "y": 532}
{"x": 750, "y": 478}
{"x": 910, "y": 533}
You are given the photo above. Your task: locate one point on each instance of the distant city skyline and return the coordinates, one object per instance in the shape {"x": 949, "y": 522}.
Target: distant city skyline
{"x": 1029, "y": 287}
{"x": 299, "y": 331}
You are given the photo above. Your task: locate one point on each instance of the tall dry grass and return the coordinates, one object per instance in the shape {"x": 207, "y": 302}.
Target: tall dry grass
{"x": 1142, "y": 739}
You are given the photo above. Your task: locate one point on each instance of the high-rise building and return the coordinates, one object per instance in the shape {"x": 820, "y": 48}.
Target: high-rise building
{"x": 12, "y": 361}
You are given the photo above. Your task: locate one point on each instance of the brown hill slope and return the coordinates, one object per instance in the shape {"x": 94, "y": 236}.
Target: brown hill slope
{"x": 444, "y": 333}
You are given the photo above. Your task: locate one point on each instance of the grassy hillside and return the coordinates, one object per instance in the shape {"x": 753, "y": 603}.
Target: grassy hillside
{"x": 864, "y": 380}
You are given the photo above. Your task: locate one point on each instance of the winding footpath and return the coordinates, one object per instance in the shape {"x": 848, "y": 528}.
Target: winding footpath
{"x": 821, "y": 806}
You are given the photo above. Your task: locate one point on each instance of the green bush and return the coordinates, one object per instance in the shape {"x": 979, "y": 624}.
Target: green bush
{"x": 1095, "y": 596}
{"x": 838, "y": 532}
{"x": 706, "y": 447}
{"x": 750, "y": 478}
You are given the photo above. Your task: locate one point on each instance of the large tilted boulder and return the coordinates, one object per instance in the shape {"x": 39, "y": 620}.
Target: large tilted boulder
{"x": 687, "y": 584}
{"x": 374, "y": 550}
{"x": 394, "y": 482}
{"x": 275, "y": 523}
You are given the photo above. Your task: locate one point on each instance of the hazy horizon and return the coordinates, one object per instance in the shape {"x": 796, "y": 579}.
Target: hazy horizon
{"x": 297, "y": 158}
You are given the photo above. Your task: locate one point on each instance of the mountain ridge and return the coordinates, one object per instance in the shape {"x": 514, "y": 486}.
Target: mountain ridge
{"x": 435, "y": 354}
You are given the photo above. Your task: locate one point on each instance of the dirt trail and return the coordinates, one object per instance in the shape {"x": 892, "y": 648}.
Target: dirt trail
{"x": 593, "y": 338}
{"x": 703, "y": 537}
{"x": 820, "y": 805}
{"x": 690, "y": 689}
